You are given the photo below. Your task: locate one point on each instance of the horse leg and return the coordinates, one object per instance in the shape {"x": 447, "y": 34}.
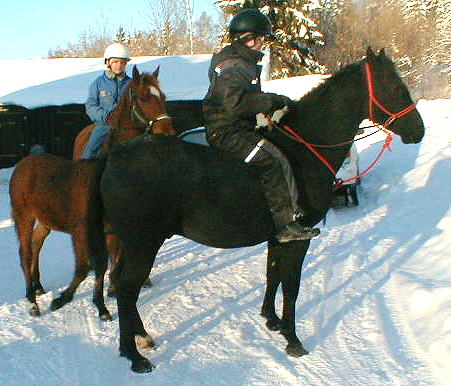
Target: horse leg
{"x": 24, "y": 229}
{"x": 98, "y": 298}
{"x": 114, "y": 251}
{"x": 82, "y": 267}
{"x": 135, "y": 267}
{"x": 81, "y": 271}
{"x": 40, "y": 233}
{"x": 290, "y": 257}
{"x": 268, "y": 309}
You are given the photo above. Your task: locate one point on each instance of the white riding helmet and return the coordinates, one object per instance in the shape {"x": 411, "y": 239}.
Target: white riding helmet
{"x": 116, "y": 50}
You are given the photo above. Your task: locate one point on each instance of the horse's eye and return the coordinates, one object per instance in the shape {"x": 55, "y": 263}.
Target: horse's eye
{"x": 144, "y": 99}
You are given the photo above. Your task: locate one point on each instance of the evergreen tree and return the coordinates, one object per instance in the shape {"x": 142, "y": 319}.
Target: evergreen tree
{"x": 296, "y": 33}
{"x": 416, "y": 34}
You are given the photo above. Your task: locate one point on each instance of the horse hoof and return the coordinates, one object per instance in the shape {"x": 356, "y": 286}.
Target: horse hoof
{"x": 272, "y": 322}
{"x": 273, "y": 325}
{"x": 142, "y": 366}
{"x": 145, "y": 342}
{"x": 105, "y": 316}
{"x": 296, "y": 350}
{"x": 111, "y": 293}
{"x": 56, "y": 304}
{"x": 34, "y": 310}
{"x": 147, "y": 283}
{"x": 40, "y": 291}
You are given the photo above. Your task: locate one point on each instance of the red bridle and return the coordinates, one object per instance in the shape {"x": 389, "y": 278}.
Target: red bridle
{"x": 372, "y": 100}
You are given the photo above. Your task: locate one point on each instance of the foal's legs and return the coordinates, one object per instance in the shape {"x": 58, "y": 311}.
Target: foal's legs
{"x": 114, "y": 252}
{"x": 82, "y": 267}
{"x": 40, "y": 233}
{"x": 24, "y": 228}
{"x": 284, "y": 266}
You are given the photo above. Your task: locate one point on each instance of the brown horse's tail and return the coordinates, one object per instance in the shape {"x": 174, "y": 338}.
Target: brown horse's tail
{"x": 98, "y": 254}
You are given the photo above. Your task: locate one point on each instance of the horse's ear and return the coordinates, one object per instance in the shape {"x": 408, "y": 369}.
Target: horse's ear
{"x": 135, "y": 74}
{"x": 156, "y": 72}
{"x": 382, "y": 53}
{"x": 369, "y": 53}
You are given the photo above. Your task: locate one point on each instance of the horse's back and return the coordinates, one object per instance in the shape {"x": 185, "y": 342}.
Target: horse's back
{"x": 186, "y": 189}
{"x": 81, "y": 141}
{"x": 52, "y": 189}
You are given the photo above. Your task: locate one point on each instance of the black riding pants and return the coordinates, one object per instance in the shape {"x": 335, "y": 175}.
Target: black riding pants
{"x": 277, "y": 178}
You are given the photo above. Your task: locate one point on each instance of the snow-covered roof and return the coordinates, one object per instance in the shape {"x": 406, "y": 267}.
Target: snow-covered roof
{"x": 42, "y": 82}
{"x": 46, "y": 82}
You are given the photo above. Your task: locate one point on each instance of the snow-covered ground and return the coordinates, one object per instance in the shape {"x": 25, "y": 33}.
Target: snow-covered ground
{"x": 374, "y": 305}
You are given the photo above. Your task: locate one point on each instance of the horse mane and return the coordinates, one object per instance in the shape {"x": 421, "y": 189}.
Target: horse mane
{"x": 308, "y": 100}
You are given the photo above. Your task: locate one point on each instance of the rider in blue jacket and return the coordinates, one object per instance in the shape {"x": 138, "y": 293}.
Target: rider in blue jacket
{"x": 103, "y": 95}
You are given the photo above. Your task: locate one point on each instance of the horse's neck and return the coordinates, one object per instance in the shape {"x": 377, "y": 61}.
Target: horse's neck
{"x": 329, "y": 115}
{"x": 332, "y": 113}
{"x": 121, "y": 117}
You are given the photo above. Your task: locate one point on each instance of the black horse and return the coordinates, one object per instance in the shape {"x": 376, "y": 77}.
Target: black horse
{"x": 156, "y": 186}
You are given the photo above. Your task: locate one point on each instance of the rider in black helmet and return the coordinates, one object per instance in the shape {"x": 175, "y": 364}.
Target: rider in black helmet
{"x": 230, "y": 107}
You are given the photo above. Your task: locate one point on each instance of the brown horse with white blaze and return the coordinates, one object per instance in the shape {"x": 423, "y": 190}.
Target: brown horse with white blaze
{"x": 50, "y": 193}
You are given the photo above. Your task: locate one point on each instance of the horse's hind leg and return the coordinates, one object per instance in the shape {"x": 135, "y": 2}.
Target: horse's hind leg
{"x": 24, "y": 228}
{"x": 82, "y": 266}
{"x": 81, "y": 271}
{"x": 40, "y": 233}
{"x": 114, "y": 252}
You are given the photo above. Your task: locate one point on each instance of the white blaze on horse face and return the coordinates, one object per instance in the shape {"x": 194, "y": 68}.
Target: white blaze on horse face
{"x": 155, "y": 91}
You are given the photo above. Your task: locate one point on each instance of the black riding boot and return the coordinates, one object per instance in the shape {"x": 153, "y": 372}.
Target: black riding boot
{"x": 295, "y": 231}
{"x": 288, "y": 227}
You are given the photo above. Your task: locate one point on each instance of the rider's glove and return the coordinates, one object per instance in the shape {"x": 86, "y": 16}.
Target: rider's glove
{"x": 280, "y": 101}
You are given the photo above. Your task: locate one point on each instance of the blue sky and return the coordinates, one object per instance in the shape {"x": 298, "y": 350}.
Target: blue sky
{"x": 29, "y": 28}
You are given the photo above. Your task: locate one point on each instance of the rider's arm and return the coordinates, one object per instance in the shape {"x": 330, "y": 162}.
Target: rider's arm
{"x": 96, "y": 112}
{"x": 240, "y": 95}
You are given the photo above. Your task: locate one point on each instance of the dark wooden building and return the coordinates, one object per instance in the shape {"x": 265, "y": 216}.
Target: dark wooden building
{"x": 53, "y": 129}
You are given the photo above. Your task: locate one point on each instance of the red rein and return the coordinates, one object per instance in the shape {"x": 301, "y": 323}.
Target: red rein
{"x": 372, "y": 100}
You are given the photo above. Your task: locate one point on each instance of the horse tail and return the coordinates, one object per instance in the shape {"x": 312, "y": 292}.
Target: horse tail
{"x": 98, "y": 255}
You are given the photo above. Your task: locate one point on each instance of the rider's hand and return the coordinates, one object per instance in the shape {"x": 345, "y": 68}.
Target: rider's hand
{"x": 280, "y": 101}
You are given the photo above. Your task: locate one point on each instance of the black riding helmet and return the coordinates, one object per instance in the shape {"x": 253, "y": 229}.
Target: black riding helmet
{"x": 251, "y": 20}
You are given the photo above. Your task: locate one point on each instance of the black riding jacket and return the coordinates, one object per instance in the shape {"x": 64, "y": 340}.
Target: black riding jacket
{"x": 234, "y": 96}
